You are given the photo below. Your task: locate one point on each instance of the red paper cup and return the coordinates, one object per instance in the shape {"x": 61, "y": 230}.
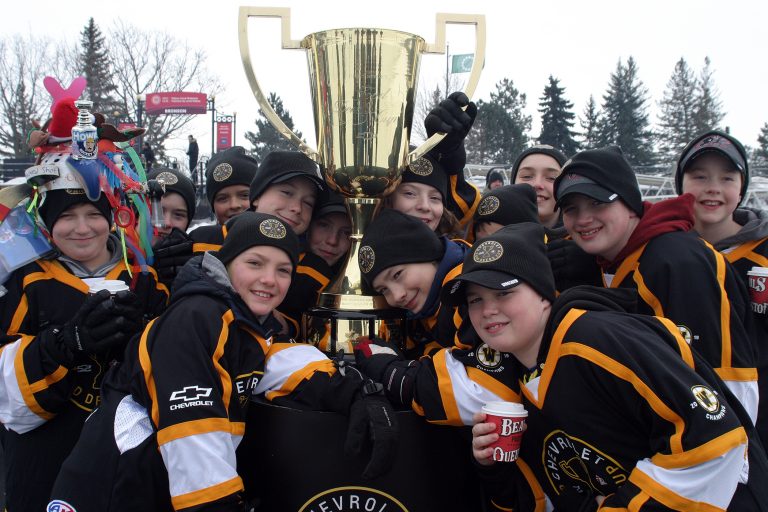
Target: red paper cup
{"x": 758, "y": 289}
{"x": 509, "y": 418}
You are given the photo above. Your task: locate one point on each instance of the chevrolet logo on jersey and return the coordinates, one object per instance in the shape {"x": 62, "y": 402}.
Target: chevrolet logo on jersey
{"x": 190, "y": 396}
{"x": 573, "y": 465}
{"x": 190, "y": 393}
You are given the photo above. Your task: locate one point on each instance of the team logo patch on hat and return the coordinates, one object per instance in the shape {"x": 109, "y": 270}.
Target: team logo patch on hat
{"x": 488, "y": 205}
{"x": 272, "y": 228}
{"x": 170, "y": 178}
{"x": 222, "y": 172}
{"x": 488, "y": 251}
{"x": 366, "y": 258}
{"x": 706, "y": 398}
{"x": 422, "y": 167}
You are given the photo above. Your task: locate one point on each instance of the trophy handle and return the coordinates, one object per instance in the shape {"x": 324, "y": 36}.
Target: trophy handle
{"x": 442, "y": 19}
{"x": 284, "y": 13}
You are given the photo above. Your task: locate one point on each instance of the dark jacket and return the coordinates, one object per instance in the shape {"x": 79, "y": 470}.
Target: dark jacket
{"x": 189, "y": 378}
{"x": 46, "y": 404}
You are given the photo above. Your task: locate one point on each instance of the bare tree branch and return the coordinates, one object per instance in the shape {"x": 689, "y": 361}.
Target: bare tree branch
{"x": 152, "y": 61}
{"x": 23, "y": 64}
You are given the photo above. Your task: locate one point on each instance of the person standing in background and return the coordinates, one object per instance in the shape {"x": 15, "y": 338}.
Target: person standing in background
{"x": 192, "y": 152}
{"x": 149, "y": 156}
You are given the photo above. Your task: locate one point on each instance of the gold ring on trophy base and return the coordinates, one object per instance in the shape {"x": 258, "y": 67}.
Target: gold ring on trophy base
{"x": 352, "y": 302}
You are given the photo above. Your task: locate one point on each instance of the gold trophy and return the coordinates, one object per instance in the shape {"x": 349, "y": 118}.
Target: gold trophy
{"x": 363, "y": 83}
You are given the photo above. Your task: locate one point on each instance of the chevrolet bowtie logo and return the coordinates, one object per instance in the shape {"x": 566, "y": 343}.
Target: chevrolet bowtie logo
{"x": 190, "y": 393}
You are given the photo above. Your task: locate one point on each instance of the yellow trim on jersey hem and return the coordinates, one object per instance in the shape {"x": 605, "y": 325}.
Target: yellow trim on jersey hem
{"x": 702, "y": 453}
{"x": 197, "y": 427}
{"x": 666, "y": 496}
{"x": 208, "y": 494}
{"x": 737, "y": 374}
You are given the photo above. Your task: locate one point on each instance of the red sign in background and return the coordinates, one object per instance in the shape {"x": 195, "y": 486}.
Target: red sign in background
{"x": 176, "y": 103}
{"x": 223, "y": 136}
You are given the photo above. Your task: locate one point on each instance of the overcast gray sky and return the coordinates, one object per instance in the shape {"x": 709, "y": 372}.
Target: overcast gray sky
{"x": 578, "y": 42}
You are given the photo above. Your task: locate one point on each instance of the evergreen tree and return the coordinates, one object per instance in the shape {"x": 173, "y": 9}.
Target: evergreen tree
{"x": 624, "y": 120}
{"x": 557, "y": 118}
{"x": 677, "y": 114}
{"x": 760, "y": 154}
{"x": 590, "y": 123}
{"x": 514, "y": 103}
{"x": 95, "y": 66}
{"x": 709, "y": 108}
{"x": 266, "y": 138}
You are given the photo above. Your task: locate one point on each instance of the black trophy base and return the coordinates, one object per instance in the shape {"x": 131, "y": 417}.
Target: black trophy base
{"x": 294, "y": 461}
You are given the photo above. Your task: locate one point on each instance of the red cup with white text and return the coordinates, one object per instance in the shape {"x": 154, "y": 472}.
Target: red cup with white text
{"x": 509, "y": 418}
{"x": 758, "y": 289}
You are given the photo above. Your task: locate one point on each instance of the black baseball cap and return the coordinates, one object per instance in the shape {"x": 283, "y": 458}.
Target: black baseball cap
{"x": 513, "y": 255}
{"x": 578, "y": 184}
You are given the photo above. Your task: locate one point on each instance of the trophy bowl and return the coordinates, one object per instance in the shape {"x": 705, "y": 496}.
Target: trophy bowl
{"x": 363, "y": 84}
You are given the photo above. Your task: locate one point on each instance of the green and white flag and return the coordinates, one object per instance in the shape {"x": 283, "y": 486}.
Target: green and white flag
{"x": 462, "y": 63}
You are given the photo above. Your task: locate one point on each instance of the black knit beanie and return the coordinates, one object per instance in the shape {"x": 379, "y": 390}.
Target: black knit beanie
{"x": 251, "y": 229}
{"x": 280, "y": 166}
{"x": 55, "y": 202}
{"x": 232, "y": 166}
{"x": 510, "y": 204}
{"x": 178, "y": 182}
{"x": 428, "y": 171}
{"x": 717, "y": 142}
{"x": 501, "y": 261}
{"x": 603, "y": 174}
{"x": 330, "y": 202}
{"x": 543, "y": 149}
{"x": 394, "y": 238}
{"x": 494, "y": 175}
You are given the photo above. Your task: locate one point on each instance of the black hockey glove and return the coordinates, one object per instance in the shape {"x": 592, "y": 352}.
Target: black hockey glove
{"x": 372, "y": 418}
{"x": 572, "y": 266}
{"x": 102, "y": 323}
{"x": 449, "y": 118}
{"x": 372, "y": 357}
{"x": 171, "y": 253}
{"x": 381, "y": 361}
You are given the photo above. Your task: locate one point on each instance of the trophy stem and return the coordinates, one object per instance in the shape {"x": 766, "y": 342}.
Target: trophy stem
{"x": 348, "y": 291}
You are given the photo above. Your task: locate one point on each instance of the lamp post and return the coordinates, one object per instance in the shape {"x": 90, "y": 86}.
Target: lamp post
{"x": 212, "y": 108}
{"x": 234, "y": 128}
{"x": 139, "y": 112}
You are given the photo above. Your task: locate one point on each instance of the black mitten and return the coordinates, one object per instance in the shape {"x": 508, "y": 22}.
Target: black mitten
{"x": 449, "y": 118}
{"x": 171, "y": 253}
{"x": 372, "y": 418}
{"x": 572, "y": 266}
{"x": 100, "y": 325}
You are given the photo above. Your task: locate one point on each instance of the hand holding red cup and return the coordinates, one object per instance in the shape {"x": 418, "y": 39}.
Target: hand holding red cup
{"x": 509, "y": 418}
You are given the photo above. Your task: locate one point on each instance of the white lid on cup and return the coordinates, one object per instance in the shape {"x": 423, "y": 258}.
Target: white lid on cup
{"x": 505, "y": 409}
{"x": 111, "y": 285}
{"x": 758, "y": 271}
